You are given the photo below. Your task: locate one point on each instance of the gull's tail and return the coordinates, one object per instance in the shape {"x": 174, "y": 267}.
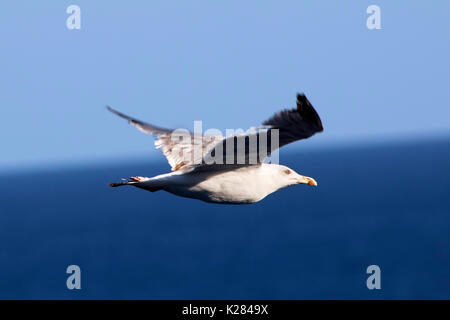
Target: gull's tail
{"x": 118, "y": 184}
{"x": 139, "y": 182}
{"x": 131, "y": 180}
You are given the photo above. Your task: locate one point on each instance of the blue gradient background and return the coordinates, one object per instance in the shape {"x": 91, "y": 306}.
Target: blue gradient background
{"x": 382, "y": 162}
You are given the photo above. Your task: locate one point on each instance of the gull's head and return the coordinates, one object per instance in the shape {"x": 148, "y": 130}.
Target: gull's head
{"x": 289, "y": 177}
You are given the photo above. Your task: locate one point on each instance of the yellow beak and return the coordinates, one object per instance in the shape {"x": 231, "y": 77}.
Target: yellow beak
{"x": 311, "y": 181}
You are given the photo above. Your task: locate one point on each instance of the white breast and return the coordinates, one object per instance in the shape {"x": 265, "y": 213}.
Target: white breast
{"x": 244, "y": 185}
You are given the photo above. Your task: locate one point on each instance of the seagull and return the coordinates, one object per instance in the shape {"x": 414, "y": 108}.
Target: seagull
{"x": 193, "y": 176}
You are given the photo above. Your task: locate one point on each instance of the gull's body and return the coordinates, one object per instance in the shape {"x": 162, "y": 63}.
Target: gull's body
{"x": 228, "y": 183}
{"x": 247, "y": 184}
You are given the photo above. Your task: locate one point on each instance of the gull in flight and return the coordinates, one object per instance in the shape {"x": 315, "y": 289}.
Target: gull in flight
{"x": 232, "y": 182}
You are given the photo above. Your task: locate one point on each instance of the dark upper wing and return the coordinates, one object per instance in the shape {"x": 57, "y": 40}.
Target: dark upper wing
{"x": 296, "y": 124}
{"x": 282, "y": 128}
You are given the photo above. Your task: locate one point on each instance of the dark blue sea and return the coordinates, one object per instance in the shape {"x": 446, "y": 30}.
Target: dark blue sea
{"x": 383, "y": 204}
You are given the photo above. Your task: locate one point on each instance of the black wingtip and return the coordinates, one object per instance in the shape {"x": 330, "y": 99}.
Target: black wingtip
{"x": 307, "y": 111}
{"x": 112, "y": 110}
{"x": 120, "y": 114}
{"x": 302, "y": 101}
{"x": 300, "y": 95}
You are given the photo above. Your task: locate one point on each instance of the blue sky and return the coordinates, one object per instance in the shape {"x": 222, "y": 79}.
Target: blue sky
{"x": 230, "y": 64}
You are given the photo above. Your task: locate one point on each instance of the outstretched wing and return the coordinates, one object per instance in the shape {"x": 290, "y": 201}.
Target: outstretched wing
{"x": 177, "y": 145}
{"x": 296, "y": 124}
{"x": 253, "y": 147}
{"x": 243, "y": 149}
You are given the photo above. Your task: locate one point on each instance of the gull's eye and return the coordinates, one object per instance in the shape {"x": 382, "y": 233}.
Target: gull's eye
{"x": 287, "y": 171}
